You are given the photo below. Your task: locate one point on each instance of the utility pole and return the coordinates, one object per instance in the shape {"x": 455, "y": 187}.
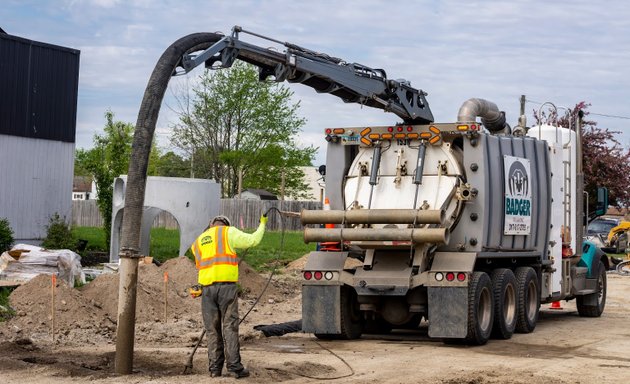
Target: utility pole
{"x": 282, "y": 184}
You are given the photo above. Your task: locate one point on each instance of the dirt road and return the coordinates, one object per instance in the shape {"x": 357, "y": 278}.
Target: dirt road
{"x": 564, "y": 348}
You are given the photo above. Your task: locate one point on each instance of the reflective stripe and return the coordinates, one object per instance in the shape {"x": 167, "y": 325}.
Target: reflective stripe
{"x": 220, "y": 241}
{"x": 229, "y": 260}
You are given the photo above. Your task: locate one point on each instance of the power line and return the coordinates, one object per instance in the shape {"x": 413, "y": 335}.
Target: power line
{"x": 590, "y": 113}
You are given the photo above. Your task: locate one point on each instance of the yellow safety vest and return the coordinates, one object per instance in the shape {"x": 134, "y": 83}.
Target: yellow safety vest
{"x": 215, "y": 260}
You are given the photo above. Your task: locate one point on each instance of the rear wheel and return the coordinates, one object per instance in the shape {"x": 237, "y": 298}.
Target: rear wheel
{"x": 528, "y": 299}
{"x": 351, "y": 319}
{"x": 480, "y": 309}
{"x": 593, "y": 305}
{"x": 504, "y": 291}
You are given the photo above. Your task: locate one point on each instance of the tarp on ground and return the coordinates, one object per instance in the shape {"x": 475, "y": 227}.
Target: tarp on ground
{"x": 29, "y": 261}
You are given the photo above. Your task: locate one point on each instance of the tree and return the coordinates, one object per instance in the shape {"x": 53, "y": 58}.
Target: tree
{"x": 239, "y": 125}
{"x": 171, "y": 164}
{"x": 107, "y": 160}
{"x": 606, "y": 163}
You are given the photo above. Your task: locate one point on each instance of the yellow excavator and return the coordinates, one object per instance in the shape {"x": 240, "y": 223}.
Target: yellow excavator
{"x": 618, "y": 238}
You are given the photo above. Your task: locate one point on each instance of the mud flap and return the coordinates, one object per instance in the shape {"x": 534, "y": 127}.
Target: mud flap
{"x": 321, "y": 309}
{"x": 448, "y": 312}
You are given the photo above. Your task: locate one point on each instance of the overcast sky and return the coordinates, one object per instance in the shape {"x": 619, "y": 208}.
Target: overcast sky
{"x": 558, "y": 51}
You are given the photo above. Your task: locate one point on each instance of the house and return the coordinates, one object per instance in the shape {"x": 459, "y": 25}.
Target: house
{"x": 257, "y": 194}
{"x": 315, "y": 183}
{"x": 83, "y": 188}
{"x": 38, "y": 111}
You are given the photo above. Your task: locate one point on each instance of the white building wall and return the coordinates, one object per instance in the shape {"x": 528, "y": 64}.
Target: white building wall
{"x": 315, "y": 183}
{"x": 35, "y": 182}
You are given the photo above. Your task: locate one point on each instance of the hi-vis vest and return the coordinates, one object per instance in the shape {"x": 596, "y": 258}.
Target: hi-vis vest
{"x": 215, "y": 260}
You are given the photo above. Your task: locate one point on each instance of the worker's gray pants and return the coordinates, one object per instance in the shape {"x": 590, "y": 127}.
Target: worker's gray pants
{"x": 219, "y": 306}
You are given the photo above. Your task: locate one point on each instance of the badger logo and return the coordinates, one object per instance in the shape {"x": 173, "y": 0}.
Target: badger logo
{"x": 518, "y": 182}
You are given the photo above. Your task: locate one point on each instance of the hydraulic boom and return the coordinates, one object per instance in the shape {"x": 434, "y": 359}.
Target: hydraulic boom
{"x": 352, "y": 82}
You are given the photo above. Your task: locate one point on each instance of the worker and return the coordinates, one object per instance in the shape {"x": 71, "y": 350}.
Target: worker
{"x": 217, "y": 262}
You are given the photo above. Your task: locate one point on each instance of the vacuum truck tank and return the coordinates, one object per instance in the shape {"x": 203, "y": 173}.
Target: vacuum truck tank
{"x": 464, "y": 224}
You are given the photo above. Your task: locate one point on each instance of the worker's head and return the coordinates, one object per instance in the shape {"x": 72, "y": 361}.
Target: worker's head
{"x": 220, "y": 220}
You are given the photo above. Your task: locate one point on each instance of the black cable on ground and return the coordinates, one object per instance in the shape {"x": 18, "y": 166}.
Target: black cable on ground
{"x": 315, "y": 377}
{"x": 275, "y": 267}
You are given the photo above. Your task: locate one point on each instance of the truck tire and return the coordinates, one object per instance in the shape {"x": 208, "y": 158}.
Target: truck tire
{"x": 480, "y": 309}
{"x": 504, "y": 291}
{"x": 594, "y": 310}
{"x": 351, "y": 318}
{"x": 528, "y": 299}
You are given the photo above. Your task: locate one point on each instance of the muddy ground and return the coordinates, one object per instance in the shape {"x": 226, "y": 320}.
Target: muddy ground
{"x": 564, "y": 348}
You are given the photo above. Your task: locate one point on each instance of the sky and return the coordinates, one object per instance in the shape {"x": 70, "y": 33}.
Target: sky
{"x": 563, "y": 52}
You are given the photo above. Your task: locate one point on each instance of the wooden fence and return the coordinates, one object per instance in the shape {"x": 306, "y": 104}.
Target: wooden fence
{"x": 243, "y": 213}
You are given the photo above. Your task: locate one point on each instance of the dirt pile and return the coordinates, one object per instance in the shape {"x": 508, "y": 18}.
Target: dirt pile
{"x": 89, "y": 314}
{"x": 73, "y": 311}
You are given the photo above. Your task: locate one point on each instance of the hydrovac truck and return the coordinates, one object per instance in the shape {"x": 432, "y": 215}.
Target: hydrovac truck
{"x": 470, "y": 225}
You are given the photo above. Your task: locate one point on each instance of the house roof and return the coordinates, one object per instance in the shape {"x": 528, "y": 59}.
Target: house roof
{"x": 263, "y": 194}
{"x": 82, "y": 184}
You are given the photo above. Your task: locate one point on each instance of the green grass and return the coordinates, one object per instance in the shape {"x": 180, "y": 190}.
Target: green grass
{"x": 165, "y": 245}
{"x": 263, "y": 256}
{"x": 6, "y": 312}
{"x": 94, "y": 236}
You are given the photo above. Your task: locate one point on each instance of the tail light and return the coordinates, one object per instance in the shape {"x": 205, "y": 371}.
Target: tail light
{"x": 308, "y": 275}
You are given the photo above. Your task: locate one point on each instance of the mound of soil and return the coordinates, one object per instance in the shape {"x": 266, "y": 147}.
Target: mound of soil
{"x": 92, "y": 310}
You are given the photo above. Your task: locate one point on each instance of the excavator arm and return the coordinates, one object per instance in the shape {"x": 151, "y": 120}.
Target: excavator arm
{"x": 351, "y": 82}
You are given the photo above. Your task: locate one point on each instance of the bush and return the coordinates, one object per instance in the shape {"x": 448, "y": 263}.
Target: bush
{"x": 58, "y": 234}
{"x": 6, "y": 312}
{"x": 6, "y": 235}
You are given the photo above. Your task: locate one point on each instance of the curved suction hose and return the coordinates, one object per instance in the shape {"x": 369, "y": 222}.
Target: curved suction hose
{"x": 136, "y": 184}
{"x": 491, "y": 117}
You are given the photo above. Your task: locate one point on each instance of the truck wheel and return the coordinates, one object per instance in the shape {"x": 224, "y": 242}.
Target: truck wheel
{"x": 528, "y": 299}
{"x": 480, "y": 309}
{"x": 504, "y": 291}
{"x": 594, "y": 310}
{"x": 351, "y": 318}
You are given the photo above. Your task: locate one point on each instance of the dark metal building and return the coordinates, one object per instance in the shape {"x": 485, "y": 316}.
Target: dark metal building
{"x": 38, "y": 110}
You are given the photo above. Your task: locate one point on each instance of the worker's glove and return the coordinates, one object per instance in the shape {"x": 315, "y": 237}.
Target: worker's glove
{"x": 195, "y": 291}
{"x": 263, "y": 219}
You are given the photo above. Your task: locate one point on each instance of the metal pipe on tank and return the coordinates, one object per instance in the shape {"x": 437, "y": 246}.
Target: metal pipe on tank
{"x": 491, "y": 117}
{"x": 376, "y": 163}
{"x": 417, "y": 178}
{"x": 373, "y": 216}
{"x": 417, "y": 235}
{"x": 422, "y": 151}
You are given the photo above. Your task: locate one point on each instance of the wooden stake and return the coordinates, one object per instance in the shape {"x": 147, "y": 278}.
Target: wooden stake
{"x": 52, "y": 304}
{"x": 165, "y": 297}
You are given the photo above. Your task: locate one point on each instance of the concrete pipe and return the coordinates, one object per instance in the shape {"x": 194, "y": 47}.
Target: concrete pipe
{"x": 373, "y": 216}
{"x": 417, "y": 235}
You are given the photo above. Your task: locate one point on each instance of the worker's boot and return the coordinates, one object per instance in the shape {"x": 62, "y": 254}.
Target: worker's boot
{"x": 215, "y": 373}
{"x": 239, "y": 374}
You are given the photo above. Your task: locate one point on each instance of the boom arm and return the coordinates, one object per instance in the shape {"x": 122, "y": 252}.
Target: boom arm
{"x": 352, "y": 82}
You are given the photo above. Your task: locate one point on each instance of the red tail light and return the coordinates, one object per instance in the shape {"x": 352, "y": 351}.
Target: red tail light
{"x": 308, "y": 275}
{"x": 318, "y": 275}
{"x": 450, "y": 276}
{"x": 461, "y": 276}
